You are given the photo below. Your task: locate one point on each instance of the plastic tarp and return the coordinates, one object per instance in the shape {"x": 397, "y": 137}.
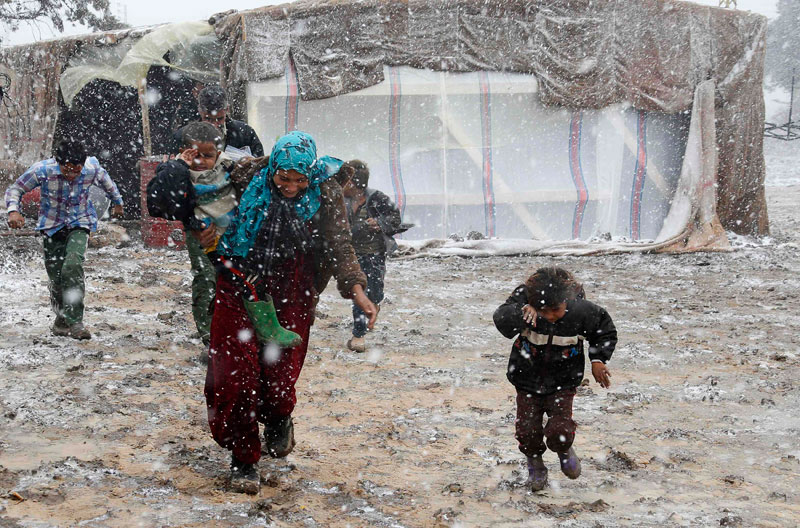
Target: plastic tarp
{"x": 192, "y": 43}
{"x": 30, "y": 107}
{"x": 585, "y": 54}
{"x": 463, "y": 152}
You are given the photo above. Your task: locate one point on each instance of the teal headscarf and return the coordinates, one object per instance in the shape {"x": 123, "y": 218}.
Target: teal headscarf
{"x": 294, "y": 151}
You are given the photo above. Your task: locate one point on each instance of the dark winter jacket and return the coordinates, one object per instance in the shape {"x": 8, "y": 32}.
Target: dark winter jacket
{"x": 385, "y": 212}
{"x": 549, "y": 357}
{"x": 333, "y": 245}
{"x": 238, "y": 134}
{"x": 171, "y": 195}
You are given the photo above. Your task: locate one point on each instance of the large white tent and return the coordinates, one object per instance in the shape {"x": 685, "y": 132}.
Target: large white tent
{"x": 628, "y": 125}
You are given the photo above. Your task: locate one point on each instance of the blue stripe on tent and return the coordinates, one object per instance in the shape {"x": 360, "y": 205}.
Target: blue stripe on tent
{"x": 394, "y": 140}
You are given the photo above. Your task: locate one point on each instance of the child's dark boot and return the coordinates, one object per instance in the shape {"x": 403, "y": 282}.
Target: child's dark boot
{"x": 279, "y": 436}
{"x": 244, "y": 477}
{"x": 537, "y": 473}
{"x": 570, "y": 463}
{"x": 60, "y": 327}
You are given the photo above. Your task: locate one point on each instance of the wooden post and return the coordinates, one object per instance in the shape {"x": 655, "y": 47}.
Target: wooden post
{"x": 146, "y": 139}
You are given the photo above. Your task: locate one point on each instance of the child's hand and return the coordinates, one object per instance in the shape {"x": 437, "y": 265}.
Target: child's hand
{"x": 529, "y": 315}
{"x": 207, "y": 236}
{"x": 601, "y": 374}
{"x": 117, "y": 212}
{"x": 15, "y": 220}
{"x": 188, "y": 156}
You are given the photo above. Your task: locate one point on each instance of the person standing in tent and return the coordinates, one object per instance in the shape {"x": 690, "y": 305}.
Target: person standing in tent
{"x": 551, "y": 319}
{"x": 66, "y": 217}
{"x": 374, "y": 220}
{"x": 212, "y": 106}
{"x": 289, "y": 235}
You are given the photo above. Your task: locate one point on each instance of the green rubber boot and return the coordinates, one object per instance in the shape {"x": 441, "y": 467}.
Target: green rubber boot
{"x": 268, "y": 329}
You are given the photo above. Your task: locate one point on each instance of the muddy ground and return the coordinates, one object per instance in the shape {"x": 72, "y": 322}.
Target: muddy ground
{"x": 700, "y": 426}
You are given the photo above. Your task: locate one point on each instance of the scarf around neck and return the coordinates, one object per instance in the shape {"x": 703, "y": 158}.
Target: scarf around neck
{"x": 294, "y": 151}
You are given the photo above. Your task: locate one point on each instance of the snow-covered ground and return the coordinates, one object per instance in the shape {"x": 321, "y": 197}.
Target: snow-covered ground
{"x": 699, "y": 428}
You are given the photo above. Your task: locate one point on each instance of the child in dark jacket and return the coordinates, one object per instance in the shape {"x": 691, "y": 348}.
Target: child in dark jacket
{"x": 374, "y": 220}
{"x": 202, "y": 162}
{"x": 551, "y": 319}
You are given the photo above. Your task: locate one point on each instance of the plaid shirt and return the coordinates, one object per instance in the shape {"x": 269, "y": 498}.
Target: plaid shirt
{"x": 63, "y": 203}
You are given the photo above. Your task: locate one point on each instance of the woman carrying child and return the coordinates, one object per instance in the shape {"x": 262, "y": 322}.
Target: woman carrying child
{"x": 290, "y": 234}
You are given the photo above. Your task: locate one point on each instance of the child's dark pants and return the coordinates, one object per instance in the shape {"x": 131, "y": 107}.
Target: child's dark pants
{"x": 64, "y": 254}
{"x": 374, "y": 267}
{"x": 530, "y": 430}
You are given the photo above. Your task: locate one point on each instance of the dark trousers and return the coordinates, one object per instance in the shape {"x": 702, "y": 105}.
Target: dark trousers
{"x": 374, "y": 267}
{"x": 64, "y": 254}
{"x": 247, "y": 382}
{"x": 531, "y": 432}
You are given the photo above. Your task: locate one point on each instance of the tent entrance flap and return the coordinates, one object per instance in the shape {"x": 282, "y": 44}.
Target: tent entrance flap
{"x": 478, "y": 151}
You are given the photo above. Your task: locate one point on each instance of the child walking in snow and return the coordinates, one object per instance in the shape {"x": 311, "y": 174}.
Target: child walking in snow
{"x": 208, "y": 169}
{"x": 374, "y": 220}
{"x": 66, "y": 217}
{"x": 550, "y": 319}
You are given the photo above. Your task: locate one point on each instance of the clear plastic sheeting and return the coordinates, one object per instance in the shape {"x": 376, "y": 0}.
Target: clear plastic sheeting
{"x": 462, "y": 152}
{"x": 191, "y": 46}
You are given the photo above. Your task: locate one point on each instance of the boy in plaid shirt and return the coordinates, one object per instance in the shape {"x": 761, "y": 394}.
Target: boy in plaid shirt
{"x": 66, "y": 217}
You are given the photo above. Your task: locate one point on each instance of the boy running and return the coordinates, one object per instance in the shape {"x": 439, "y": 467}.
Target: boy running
{"x": 66, "y": 217}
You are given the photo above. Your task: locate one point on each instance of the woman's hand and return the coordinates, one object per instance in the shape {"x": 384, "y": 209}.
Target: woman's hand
{"x": 362, "y": 301}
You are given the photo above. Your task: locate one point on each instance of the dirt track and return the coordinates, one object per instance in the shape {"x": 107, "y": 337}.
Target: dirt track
{"x": 699, "y": 428}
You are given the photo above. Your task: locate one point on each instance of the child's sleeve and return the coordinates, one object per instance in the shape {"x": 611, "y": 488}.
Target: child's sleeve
{"x": 602, "y": 336}
{"x": 389, "y": 215}
{"x": 508, "y": 317}
{"x": 25, "y": 183}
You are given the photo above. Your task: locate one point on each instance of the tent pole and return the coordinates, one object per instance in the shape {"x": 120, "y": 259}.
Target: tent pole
{"x": 791, "y": 104}
{"x": 146, "y": 139}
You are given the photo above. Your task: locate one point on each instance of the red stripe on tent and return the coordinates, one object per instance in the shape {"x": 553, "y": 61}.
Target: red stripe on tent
{"x": 576, "y": 170}
{"x": 394, "y": 141}
{"x": 639, "y": 176}
{"x": 292, "y": 99}
{"x": 489, "y": 210}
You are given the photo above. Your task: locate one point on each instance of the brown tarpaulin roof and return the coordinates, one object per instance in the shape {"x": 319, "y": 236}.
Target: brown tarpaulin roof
{"x": 584, "y": 53}
{"x": 28, "y": 119}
